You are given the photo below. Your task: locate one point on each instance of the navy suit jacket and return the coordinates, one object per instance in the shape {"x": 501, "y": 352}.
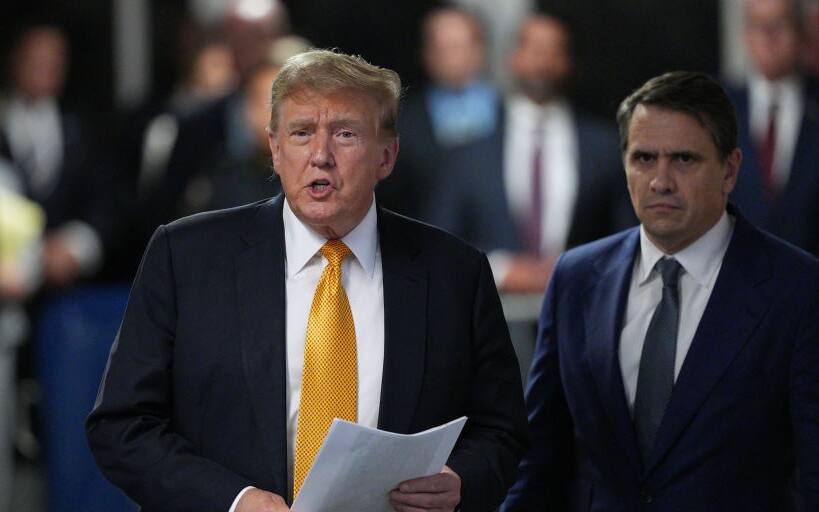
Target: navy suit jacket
{"x": 472, "y": 200}
{"x": 192, "y": 407}
{"x": 744, "y": 411}
{"x": 793, "y": 214}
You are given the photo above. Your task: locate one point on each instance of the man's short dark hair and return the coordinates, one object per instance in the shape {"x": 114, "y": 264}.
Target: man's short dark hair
{"x": 692, "y": 93}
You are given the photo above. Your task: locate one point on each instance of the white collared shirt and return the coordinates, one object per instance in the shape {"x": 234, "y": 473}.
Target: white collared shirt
{"x": 363, "y": 282}
{"x": 701, "y": 262}
{"x": 559, "y": 165}
{"x": 35, "y": 137}
{"x": 787, "y": 92}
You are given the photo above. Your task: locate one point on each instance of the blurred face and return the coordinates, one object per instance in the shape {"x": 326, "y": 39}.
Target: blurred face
{"x": 453, "y": 52}
{"x": 772, "y": 39}
{"x": 214, "y": 72}
{"x": 542, "y": 60}
{"x": 329, "y": 155}
{"x": 678, "y": 185}
{"x": 40, "y": 63}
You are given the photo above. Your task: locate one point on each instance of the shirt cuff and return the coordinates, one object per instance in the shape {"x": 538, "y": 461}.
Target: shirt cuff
{"x": 84, "y": 244}
{"x": 238, "y": 497}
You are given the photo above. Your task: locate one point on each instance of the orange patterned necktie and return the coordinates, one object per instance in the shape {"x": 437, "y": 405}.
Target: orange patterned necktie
{"x": 329, "y": 382}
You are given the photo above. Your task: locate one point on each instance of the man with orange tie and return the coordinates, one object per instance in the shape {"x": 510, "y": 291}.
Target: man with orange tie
{"x": 248, "y": 330}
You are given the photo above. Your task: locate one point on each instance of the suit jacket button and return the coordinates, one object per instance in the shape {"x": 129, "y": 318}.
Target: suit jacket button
{"x": 645, "y": 497}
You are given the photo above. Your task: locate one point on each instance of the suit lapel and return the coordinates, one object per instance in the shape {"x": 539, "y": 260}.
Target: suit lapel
{"x": 260, "y": 297}
{"x": 733, "y": 312}
{"x": 405, "y": 290}
{"x": 603, "y": 309}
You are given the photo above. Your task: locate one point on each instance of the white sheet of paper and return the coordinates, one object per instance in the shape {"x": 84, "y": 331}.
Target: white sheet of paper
{"x": 358, "y": 466}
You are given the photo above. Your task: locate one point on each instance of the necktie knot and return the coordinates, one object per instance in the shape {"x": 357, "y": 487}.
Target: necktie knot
{"x": 335, "y": 251}
{"x": 669, "y": 270}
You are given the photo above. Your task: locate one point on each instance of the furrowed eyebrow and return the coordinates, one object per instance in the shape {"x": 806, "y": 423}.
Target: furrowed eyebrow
{"x": 639, "y": 153}
{"x": 685, "y": 154}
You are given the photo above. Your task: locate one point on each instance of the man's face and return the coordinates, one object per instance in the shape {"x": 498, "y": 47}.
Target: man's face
{"x": 40, "y": 64}
{"x": 453, "y": 52}
{"x": 772, "y": 39}
{"x": 677, "y": 182}
{"x": 542, "y": 60}
{"x": 329, "y": 155}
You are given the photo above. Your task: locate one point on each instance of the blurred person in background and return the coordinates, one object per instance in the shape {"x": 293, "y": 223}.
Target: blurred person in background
{"x": 238, "y": 170}
{"x": 778, "y": 116}
{"x": 49, "y": 148}
{"x": 177, "y": 190}
{"x": 455, "y": 107}
{"x": 548, "y": 178}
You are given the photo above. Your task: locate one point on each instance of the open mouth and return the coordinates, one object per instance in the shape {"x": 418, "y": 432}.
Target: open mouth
{"x": 319, "y": 185}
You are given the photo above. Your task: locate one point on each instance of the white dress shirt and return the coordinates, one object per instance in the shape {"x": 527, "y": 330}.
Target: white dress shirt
{"x": 35, "y": 137}
{"x": 559, "y": 165}
{"x": 790, "y": 104}
{"x": 701, "y": 262}
{"x": 363, "y": 282}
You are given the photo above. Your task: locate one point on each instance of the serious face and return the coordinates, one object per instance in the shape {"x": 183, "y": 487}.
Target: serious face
{"x": 678, "y": 184}
{"x": 329, "y": 155}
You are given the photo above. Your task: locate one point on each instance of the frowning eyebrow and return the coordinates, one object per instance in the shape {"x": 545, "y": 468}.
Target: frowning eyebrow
{"x": 678, "y": 154}
{"x": 342, "y": 120}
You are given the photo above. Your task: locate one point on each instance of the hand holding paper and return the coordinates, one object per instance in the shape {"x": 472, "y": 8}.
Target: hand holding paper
{"x": 358, "y": 467}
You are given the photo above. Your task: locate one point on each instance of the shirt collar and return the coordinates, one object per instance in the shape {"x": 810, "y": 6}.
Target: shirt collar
{"x": 522, "y": 108}
{"x": 763, "y": 91}
{"x": 302, "y": 243}
{"x": 701, "y": 260}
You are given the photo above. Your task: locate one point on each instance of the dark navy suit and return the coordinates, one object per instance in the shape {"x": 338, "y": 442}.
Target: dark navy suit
{"x": 744, "y": 411}
{"x": 192, "y": 407}
{"x": 794, "y": 214}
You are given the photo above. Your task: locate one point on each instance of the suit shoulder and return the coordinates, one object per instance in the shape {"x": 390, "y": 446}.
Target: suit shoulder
{"x": 790, "y": 260}
{"x": 216, "y": 227}
{"x": 428, "y": 237}
{"x": 583, "y": 257}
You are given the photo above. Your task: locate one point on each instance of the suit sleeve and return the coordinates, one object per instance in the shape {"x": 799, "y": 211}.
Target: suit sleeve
{"x": 131, "y": 429}
{"x": 804, "y": 402}
{"x": 545, "y": 471}
{"x": 488, "y": 451}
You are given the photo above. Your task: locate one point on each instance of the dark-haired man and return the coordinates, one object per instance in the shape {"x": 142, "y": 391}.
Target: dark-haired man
{"x": 677, "y": 365}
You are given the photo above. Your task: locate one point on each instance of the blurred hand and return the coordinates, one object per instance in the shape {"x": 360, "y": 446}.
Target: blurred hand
{"x": 441, "y": 492}
{"x": 59, "y": 266}
{"x": 257, "y": 500}
{"x": 527, "y": 274}
{"x": 11, "y": 282}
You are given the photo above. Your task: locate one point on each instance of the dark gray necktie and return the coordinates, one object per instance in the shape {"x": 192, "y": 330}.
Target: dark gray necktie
{"x": 656, "y": 377}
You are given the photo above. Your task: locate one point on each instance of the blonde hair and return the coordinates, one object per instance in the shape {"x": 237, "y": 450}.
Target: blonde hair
{"x": 327, "y": 71}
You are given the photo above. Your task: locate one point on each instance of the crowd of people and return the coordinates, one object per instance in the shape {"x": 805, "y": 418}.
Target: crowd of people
{"x": 521, "y": 172}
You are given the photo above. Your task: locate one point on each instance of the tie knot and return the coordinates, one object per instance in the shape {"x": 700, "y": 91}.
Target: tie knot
{"x": 669, "y": 269}
{"x": 335, "y": 251}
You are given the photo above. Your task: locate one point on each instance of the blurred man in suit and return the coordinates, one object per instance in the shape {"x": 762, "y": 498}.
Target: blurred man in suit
{"x": 49, "y": 148}
{"x": 224, "y": 378}
{"x": 778, "y": 117}
{"x": 456, "y": 107}
{"x": 677, "y": 365}
{"x": 548, "y": 178}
